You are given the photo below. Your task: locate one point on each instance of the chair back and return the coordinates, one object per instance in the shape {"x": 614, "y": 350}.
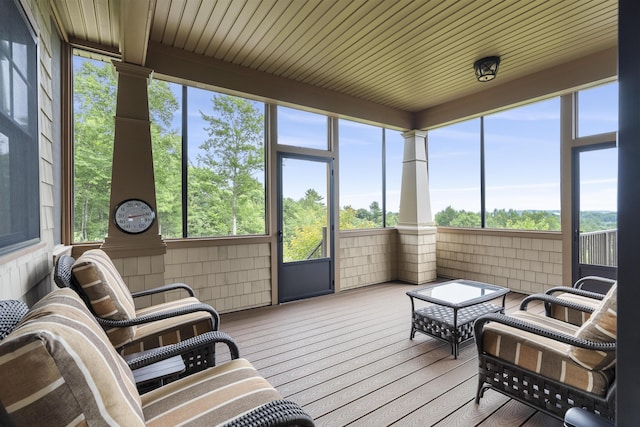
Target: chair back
{"x": 11, "y": 313}
{"x": 98, "y": 279}
{"x": 59, "y": 368}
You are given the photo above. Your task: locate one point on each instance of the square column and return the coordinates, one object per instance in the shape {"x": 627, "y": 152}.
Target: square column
{"x": 416, "y": 229}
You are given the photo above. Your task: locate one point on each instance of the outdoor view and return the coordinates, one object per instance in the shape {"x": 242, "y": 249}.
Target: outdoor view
{"x": 223, "y": 140}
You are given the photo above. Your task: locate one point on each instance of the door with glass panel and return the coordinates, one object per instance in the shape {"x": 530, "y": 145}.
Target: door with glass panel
{"x": 595, "y": 228}
{"x": 305, "y": 224}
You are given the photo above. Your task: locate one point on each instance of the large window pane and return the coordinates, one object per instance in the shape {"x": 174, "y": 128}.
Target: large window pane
{"x": 454, "y": 174}
{"x": 226, "y": 194}
{"x": 522, "y": 164}
{"x": 302, "y": 129}
{"x": 598, "y": 110}
{"x": 394, "y": 152}
{"x": 19, "y": 160}
{"x": 360, "y": 175}
{"x": 94, "y": 107}
{"x": 165, "y": 113}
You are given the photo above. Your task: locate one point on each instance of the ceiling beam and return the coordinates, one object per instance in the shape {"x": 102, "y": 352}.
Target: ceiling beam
{"x": 209, "y": 73}
{"x": 135, "y": 27}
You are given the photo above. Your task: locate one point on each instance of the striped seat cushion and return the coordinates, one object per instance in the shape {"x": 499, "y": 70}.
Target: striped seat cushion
{"x": 566, "y": 314}
{"x": 58, "y": 368}
{"x": 211, "y": 397}
{"x": 601, "y": 327}
{"x": 168, "y": 331}
{"x": 545, "y": 356}
{"x": 107, "y": 293}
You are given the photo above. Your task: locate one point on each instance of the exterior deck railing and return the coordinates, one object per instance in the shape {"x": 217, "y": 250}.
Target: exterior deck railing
{"x": 599, "y": 248}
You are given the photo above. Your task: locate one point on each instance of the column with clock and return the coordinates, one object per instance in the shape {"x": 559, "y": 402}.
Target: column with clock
{"x": 133, "y": 223}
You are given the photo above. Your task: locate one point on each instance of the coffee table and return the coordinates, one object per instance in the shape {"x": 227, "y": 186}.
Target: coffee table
{"x": 453, "y": 308}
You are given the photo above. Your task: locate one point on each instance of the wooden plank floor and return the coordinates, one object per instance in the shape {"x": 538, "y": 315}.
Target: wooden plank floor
{"x": 348, "y": 360}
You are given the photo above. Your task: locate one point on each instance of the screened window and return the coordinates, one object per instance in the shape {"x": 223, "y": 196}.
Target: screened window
{"x": 394, "y": 152}
{"x": 598, "y": 110}
{"x": 520, "y": 188}
{"x": 522, "y": 167}
{"x": 454, "y": 174}
{"x": 361, "y": 152}
{"x": 299, "y": 128}
{"x": 19, "y": 171}
{"x": 94, "y": 108}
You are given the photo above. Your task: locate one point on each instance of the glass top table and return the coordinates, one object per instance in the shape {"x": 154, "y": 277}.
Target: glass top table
{"x": 454, "y": 306}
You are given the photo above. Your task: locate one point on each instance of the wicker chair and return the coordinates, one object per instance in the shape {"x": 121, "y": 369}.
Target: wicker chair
{"x": 69, "y": 373}
{"x": 11, "y": 312}
{"x": 586, "y": 292}
{"x": 547, "y": 363}
{"x": 94, "y": 277}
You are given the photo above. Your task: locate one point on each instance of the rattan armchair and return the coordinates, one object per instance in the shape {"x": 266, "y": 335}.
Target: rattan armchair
{"x": 547, "y": 363}
{"x": 586, "y": 292}
{"x": 94, "y": 277}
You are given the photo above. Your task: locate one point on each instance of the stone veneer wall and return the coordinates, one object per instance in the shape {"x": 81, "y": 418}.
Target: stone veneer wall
{"x": 417, "y": 255}
{"x": 527, "y": 262}
{"x": 229, "y": 277}
{"x": 367, "y": 257}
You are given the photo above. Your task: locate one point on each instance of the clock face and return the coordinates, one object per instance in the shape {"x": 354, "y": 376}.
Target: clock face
{"x": 134, "y": 216}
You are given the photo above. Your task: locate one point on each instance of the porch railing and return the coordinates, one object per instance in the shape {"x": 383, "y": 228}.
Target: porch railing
{"x": 599, "y": 248}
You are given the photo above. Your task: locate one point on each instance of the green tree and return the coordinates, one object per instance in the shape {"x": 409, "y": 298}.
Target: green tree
{"x": 94, "y": 109}
{"x": 234, "y": 151}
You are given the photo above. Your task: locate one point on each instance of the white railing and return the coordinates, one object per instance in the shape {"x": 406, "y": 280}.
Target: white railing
{"x": 599, "y": 248}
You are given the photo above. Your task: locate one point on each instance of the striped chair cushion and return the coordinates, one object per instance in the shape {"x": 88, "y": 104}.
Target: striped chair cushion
{"x": 211, "y": 397}
{"x": 106, "y": 291}
{"x": 545, "y": 356}
{"x": 566, "y": 314}
{"x": 601, "y": 326}
{"x": 171, "y": 330}
{"x": 58, "y": 368}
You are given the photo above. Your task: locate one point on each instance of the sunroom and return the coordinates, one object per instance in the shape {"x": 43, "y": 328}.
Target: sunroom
{"x": 299, "y": 149}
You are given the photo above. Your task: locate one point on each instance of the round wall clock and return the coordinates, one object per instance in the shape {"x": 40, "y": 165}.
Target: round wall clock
{"x": 134, "y": 216}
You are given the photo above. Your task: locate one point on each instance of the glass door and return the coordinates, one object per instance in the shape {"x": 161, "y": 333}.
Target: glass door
{"x": 305, "y": 224}
{"x": 595, "y": 211}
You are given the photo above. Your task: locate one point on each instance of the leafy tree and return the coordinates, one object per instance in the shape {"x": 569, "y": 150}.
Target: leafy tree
{"x": 94, "y": 110}
{"x": 234, "y": 151}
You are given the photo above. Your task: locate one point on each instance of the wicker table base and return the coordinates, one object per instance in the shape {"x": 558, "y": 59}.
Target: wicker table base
{"x": 445, "y": 324}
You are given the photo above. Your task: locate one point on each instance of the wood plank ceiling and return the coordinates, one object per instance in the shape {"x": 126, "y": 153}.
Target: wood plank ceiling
{"x": 405, "y": 54}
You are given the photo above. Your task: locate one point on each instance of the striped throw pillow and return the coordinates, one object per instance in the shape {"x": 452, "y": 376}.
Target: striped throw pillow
{"x": 602, "y": 327}
{"x": 59, "y": 368}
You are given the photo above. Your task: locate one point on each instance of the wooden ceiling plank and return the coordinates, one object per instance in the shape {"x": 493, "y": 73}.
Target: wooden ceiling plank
{"x": 231, "y": 16}
{"x": 209, "y": 30}
{"x": 195, "y": 31}
{"x": 187, "y": 23}
{"x": 174, "y": 22}
{"x": 279, "y": 32}
{"x": 260, "y": 24}
{"x": 248, "y": 19}
{"x": 160, "y": 16}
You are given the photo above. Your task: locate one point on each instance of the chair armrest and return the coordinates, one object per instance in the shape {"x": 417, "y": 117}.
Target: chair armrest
{"x": 575, "y": 291}
{"x": 580, "y": 282}
{"x": 164, "y": 288}
{"x": 148, "y": 357}
{"x": 537, "y": 330}
{"x": 550, "y": 299}
{"x": 274, "y": 414}
{"x": 191, "y": 308}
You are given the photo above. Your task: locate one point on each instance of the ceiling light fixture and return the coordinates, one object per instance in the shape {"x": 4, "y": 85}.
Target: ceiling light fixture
{"x": 487, "y": 68}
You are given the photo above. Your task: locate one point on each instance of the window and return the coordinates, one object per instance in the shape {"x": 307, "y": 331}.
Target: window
{"x": 394, "y": 153}
{"x": 219, "y": 189}
{"x": 522, "y": 167}
{"x": 299, "y": 128}
{"x": 19, "y": 162}
{"x": 361, "y": 153}
{"x": 521, "y": 151}
{"x": 598, "y": 110}
{"x": 454, "y": 174}
{"x": 226, "y": 164}
{"x": 94, "y": 108}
